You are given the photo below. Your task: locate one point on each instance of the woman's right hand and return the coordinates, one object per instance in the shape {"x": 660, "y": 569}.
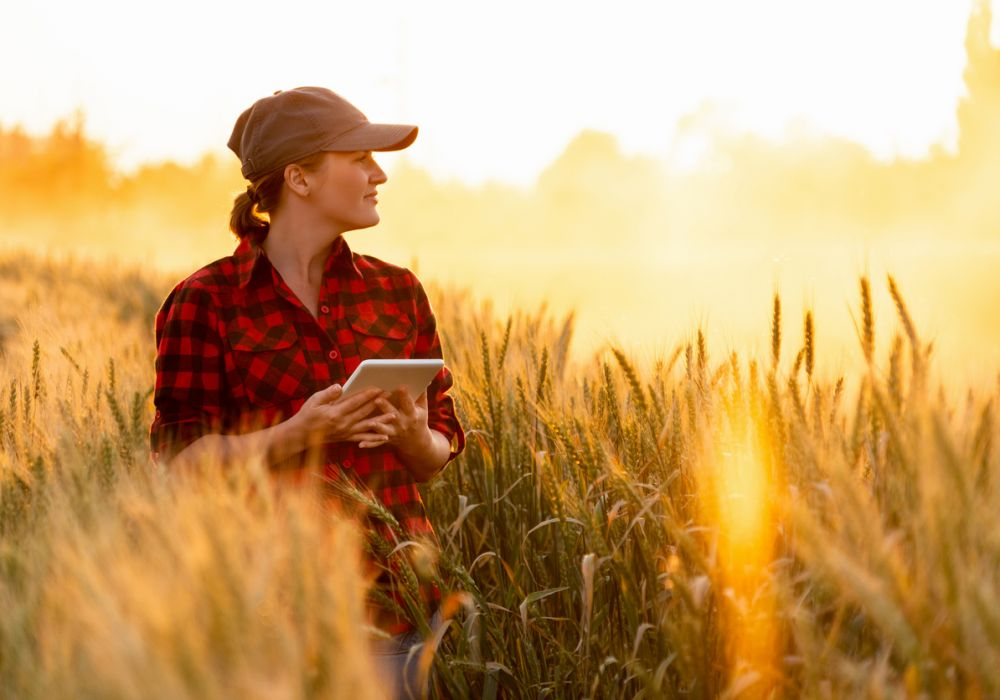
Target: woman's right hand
{"x": 327, "y": 417}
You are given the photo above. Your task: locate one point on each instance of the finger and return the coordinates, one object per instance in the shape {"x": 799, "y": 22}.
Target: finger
{"x": 367, "y": 437}
{"x": 421, "y": 400}
{"x": 362, "y": 401}
{"x": 351, "y": 402}
{"x": 364, "y": 425}
{"x": 370, "y": 439}
{"x": 405, "y": 400}
{"x": 379, "y": 424}
{"x": 384, "y": 419}
{"x": 390, "y": 429}
{"x": 375, "y": 411}
{"x": 329, "y": 394}
{"x": 386, "y": 406}
{"x": 359, "y": 414}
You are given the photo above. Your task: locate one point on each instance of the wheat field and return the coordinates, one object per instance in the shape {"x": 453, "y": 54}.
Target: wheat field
{"x": 716, "y": 526}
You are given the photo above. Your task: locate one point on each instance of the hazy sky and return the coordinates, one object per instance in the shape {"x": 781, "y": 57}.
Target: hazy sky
{"x": 498, "y": 89}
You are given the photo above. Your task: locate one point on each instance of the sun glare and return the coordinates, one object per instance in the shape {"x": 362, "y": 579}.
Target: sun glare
{"x": 738, "y": 492}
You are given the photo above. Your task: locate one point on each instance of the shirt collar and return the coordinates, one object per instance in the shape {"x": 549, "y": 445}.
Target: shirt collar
{"x": 246, "y": 255}
{"x": 342, "y": 259}
{"x": 249, "y": 256}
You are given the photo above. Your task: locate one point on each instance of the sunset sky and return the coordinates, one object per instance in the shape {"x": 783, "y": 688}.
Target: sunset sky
{"x": 497, "y": 89}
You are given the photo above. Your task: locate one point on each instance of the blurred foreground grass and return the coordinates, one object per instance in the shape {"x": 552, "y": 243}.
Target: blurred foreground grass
{"x": 731, "y": 526}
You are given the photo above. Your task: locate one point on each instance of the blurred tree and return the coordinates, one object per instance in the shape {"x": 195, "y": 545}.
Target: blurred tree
{"x": 60, "y": 174}
{"x": 593, "y": 196}
{"x": 979, "y": 110}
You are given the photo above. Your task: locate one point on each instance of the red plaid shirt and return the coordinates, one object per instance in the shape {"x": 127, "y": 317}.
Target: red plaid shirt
{"x": 237, "y": 350}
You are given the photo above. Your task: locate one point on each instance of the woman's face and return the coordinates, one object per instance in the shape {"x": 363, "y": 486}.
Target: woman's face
{"x": 345, "y": 189}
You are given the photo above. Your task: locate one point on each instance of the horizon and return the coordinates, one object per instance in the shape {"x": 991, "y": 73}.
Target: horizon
{"x": 611, "y": 233}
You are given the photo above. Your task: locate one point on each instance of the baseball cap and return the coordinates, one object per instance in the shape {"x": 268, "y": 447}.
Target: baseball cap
{"x": 292, "y": 124}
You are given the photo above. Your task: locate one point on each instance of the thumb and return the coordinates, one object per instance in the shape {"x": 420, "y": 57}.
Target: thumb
{"x": 331, "y": 393}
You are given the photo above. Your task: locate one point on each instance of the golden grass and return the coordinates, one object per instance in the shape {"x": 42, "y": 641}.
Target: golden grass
{"x": 702, "y": 529}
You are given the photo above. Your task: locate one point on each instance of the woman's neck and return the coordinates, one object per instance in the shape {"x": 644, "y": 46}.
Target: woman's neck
{"x": 299, "y": 252}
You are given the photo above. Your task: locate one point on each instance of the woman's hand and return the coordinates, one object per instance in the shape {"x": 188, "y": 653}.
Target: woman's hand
{"x": 403, "y": 424}
{"x": 326, "y": 417}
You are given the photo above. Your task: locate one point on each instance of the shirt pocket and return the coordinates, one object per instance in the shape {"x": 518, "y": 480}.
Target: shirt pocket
{"x": 271, "y": 363}
{"x": 383, "y": 335}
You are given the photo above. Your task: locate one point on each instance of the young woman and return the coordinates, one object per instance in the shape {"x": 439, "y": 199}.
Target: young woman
{"x": 252, "y": 350}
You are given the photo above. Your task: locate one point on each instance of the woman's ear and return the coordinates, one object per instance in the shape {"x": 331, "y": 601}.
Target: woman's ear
{"x": 295, "y": 179}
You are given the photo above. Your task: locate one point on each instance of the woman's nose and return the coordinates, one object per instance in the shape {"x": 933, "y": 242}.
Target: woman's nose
{"x": 378, "y": 176}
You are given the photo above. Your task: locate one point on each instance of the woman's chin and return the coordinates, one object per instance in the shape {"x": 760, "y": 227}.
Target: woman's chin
{"x": 364, "y": 222}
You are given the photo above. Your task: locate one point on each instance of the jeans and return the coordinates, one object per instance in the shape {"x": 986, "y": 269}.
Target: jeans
{"x": 397, "y": 660}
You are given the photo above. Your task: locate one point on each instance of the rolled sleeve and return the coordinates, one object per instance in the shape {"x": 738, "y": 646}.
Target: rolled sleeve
{"x": 189, "y": 372}
{"x": 441, "y": 415}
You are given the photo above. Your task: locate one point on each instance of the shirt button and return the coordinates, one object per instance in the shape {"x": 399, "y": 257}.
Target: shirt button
{"x": 346, "y": 463}
{"x": 334, "y": 355}
{"x": 325, "y": 309}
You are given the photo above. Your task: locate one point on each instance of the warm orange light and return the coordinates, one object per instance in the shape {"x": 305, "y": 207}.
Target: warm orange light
{"x": 738, "y": 493}
{"x": 642, "y": 252}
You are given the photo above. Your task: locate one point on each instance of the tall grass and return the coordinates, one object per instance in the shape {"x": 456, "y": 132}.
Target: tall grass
{"x": 714, "y": 526}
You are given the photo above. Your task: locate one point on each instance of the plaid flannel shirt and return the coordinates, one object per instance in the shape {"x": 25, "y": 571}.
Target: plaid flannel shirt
{"x": 237, "y": 351}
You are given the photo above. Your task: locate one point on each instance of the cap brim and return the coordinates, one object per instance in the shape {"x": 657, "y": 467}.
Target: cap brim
{"x": 374, "y": 137}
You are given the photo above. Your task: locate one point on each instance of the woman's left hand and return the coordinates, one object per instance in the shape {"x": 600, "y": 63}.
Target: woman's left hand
{"x": 403, "y": 422}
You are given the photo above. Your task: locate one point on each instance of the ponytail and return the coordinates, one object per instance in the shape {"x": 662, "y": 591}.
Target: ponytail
{"x": 244, "y": 220}
{"x": 262, "y": 197}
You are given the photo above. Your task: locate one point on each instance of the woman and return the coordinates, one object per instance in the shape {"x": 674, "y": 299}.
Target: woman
{"x": 252, "y": 349}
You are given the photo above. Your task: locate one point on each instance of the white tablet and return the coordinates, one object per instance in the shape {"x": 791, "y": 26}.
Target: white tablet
{"x": 389, "y": 375}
